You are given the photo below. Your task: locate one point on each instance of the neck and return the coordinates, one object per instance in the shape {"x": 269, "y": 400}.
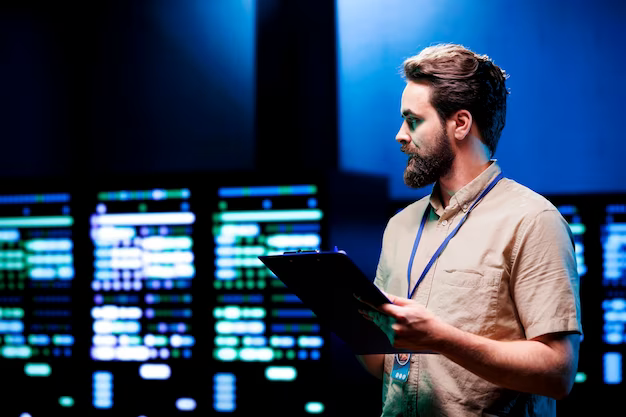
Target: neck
{"x": 461, "y": 174}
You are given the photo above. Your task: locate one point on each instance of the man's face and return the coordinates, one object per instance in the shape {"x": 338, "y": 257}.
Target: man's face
{"x": 423, "y": 138}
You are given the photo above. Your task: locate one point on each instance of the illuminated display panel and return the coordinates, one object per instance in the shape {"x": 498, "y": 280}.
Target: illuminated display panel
{"x": 263, "y": 333}
{"x": 578, "y": 228}
{"x": 571, "y": 213}
{"x": 613, "y": 239}
{"x": 142, "y": 337}
{"x": 37, "y": 317}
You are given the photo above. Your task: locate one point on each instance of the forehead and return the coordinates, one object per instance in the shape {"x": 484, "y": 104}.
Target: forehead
{"x": 416, "y": 98}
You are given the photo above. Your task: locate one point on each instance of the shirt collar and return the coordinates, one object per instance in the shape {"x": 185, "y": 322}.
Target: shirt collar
{"x": 462, "y": 199}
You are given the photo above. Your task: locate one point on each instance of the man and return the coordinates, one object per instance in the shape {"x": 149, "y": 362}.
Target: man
{"x": 482, "y": 272}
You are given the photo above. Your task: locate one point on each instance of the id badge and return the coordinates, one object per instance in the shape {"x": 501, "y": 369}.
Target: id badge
{"x": 401, "y": 366}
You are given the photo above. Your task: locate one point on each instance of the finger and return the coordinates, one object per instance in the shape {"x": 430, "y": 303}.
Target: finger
{"x": 400, "y": 301}
{"x": 390, "y": 309}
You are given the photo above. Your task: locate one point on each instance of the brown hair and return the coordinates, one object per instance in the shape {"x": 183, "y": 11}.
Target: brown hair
{"x": 461, "y": 79}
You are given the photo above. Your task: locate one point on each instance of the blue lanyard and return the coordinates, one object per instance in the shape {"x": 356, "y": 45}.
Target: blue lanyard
{"x": 445, "y": 242}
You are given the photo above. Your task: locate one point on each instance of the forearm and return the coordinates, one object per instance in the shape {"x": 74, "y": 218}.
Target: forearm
{"x": 524, "y": 365}
{"x": 372, "y": 364}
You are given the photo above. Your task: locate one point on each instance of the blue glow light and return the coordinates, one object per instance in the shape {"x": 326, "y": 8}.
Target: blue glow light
{"x": 9, "y": 235}
{"x": 270, "y": 216}
{"x": 224, "y": 394}
{"x": 612, "y": 368}
{"x": 280, "y": 373}
{"x": 295, "y": 313}
{"x": 267, "y": 191}
{"x": 186, "y": 404}
{"x": 139, "y": 219}
{"x": 314, "y": 407}
{"x": 155, "y": 371}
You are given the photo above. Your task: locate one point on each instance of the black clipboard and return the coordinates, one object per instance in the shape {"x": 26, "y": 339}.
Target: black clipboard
{"x": 327, "y": 282}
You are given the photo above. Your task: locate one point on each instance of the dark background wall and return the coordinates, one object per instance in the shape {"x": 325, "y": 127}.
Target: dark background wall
{"x": 119, "y": 87}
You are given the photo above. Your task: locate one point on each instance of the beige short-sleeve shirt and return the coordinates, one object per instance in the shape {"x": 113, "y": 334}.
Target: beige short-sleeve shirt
{"x": 509, "y": 274}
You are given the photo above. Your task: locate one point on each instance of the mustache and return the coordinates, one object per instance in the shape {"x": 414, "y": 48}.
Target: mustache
{"x": 405, "y": 150}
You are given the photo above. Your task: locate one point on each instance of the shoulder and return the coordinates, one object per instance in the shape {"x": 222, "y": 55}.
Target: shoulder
{"x": 519, "y": 201}
{"x": 519, "y": 195}
{"x": 410, "y": 215}
{"x": 537, "y": 221}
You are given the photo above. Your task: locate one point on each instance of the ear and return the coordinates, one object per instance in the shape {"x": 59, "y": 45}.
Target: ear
{"x": 462, "y": 123}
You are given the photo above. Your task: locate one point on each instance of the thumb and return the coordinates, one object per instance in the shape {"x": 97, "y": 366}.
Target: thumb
{"x": 399, "y": 301}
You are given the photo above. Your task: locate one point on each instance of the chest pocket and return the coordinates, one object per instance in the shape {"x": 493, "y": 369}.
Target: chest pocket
{"x": 466, "y": 299}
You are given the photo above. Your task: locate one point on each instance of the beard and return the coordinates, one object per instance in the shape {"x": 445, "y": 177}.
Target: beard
{"x": 423, "y": 170}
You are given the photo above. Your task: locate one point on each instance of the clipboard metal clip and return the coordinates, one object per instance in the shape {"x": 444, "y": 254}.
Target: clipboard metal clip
{"x": 301, "y": 251}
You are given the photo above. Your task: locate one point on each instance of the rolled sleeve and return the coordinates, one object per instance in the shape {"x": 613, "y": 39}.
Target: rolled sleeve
{"x": 544, "y": 277}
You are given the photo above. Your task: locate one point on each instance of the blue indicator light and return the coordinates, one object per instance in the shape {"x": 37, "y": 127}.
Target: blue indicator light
{"x": 266, "y": 191}
{"x": 186, "y": 404}
{"x": 612, "y": 368}
{"x": 292, "y": 313}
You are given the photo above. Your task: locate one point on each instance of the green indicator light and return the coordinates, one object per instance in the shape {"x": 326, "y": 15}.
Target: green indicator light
{"x": 269, "y": 216}
{"x": 216, "y": 230}
{"x": 239, "y": 284}
{"x": 37, "y": 369}
{"x": 284, "y": 189}
{"x": 222, "y": 205}
{"x": 175, "y": 353}
{"x": 277, "y": 283}
{"x": 216, "y": 217}
{"x": 250, "y": 285}
{"x": 217, "y": 285}
{"x": 225, "y": 354}
{"x": 66, "y": 401}
{"x": 577, "y": 228}
{"x": 228, "y": 285}
{"x": 580, "y": 377}
{"x": 291, "y": 354}
{"x": 314, "y": 408}
{"x": 143, "y": 207}
{"x": 260, "y": 284}
{"x": 250, "y": 273}
{"x": 278, "y": 354}
{"x": 40, "y": 221}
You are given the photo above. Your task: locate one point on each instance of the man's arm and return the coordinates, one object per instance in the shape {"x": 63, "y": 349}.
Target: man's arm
{"x": 372, "y": 364}
{"x": 545, "y": 365}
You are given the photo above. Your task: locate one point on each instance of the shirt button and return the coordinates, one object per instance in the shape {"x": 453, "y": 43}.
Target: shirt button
{"x": 464, "y": 206}
{"x": 444, "y": 222}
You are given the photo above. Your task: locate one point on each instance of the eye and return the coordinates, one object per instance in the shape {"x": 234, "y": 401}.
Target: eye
{"x": 412, "y": 122}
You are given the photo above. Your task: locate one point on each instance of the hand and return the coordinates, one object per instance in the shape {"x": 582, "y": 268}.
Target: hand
{"x": 407, "y": 324}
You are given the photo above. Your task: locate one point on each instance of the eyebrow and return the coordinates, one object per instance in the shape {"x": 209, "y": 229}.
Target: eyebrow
{"x": 408, "y": 112}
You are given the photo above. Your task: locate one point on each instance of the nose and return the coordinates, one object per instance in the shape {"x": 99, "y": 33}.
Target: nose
{"x": 403, "y": 136}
